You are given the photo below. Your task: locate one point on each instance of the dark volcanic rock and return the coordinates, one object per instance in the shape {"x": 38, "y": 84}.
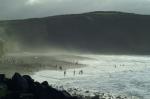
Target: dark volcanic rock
{"x": 24, "y": 87}
{"x": 20, "y": 82}
{"x": 2, "y": 76}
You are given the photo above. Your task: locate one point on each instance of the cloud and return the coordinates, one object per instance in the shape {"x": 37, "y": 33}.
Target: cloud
{"x": 16, "y": 9}
{"x": 32, "y": 2}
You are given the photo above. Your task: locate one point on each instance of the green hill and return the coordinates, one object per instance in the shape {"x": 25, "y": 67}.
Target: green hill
{"x": 109, "y": 32}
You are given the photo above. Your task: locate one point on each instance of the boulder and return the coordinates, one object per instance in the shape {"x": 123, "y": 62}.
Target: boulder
{"x": 2, "y": 77}
{"x": 30, "y": 81}
{"x": 20, "y": 83}
{"x": 24, "y": 87}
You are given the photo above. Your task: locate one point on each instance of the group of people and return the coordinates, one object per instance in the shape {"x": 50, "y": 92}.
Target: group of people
{"x": 74, "y": 72}
{"x": 20, "y": 61}
{"x": 11, "y": 60}
{"x": 121, "y": 65}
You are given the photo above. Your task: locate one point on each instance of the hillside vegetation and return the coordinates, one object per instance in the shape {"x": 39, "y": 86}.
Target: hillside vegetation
{"x": 109, "y": 32}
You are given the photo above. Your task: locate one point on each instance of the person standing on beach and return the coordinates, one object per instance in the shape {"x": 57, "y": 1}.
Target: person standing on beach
{"x": 115, "y": 66}
{"x": 60, "y": 67}
{"x": 65, "y": 73}
{"x": 74, "y": 72}
{"x": 80, "y": 72}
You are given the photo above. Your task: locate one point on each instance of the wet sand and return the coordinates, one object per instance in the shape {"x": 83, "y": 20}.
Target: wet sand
{"x": 29, "y": 64}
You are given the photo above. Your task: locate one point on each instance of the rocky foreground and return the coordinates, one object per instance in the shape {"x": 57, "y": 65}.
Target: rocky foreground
{"x": 24, "y": 87}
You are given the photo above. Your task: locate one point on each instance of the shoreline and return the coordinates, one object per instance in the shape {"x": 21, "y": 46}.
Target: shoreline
{"x": 106, "y": 74}
{"x": 32, "y": 64}
{"x": 24, "y": 87}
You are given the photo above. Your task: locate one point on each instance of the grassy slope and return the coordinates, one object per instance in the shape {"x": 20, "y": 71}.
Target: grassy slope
{"x": 96, "y": 31}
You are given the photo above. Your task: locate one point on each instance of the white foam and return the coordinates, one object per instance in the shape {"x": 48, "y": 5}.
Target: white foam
{"x": 108, "y": 73}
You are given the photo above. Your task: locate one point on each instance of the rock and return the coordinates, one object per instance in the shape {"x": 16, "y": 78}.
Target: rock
{"x": 30, "y": 82}
{"x": 28, "y": 78}
{"x": 2, "y": 77}
{"x": 20, "y": 83}
{"x": 3, "y": 89}
{"x": 9, "y": 84}
{"x": 66, "y": 94}
{"x": 45, "y": 83}
{"x": 24, "y": 87}
{"x": 26, "y": 96}
{"x": 12, "y": 95}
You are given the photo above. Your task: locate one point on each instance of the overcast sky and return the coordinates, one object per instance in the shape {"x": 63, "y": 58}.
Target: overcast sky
{"x": 16, "y": 9}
